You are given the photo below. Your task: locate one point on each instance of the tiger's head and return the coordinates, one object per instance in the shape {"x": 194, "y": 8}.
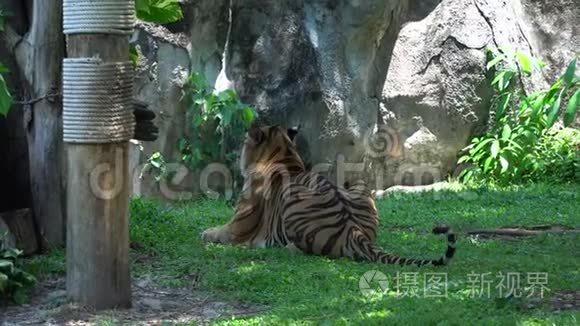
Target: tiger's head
{"x": 270, "y": 144}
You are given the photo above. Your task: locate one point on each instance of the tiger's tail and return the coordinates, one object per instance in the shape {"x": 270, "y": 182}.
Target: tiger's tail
{"x": 375, "y": 254}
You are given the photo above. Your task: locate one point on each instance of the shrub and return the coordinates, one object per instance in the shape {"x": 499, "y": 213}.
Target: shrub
{"x": 13, "y": 280}
{"x": 556, "y": 157}
{"x": 217, "y": 122}
{"x": 522, "y": 143}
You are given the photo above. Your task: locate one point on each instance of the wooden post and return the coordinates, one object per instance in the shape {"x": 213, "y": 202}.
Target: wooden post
{"x": 97, "y": 201}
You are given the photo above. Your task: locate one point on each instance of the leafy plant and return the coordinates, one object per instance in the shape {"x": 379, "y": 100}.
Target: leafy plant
{"x": 557, "y": 156}
{"x": 13, "y": 280}
{"x": 156, "y": 165}
{"x": 216, "y": 123}
{"x": 133, "y": 55}
{"x": 515, "y": 145}
{"x": 5, "y": 96}
{"x": 158, "y": 11}
{"x": 3, "y": 15}
{"x": 155, "y": 11}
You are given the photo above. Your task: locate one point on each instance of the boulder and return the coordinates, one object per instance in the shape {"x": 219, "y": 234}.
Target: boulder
{"x": 318, "y": 64}
{"x": 437, "y": 84}
{"x": 389, "y": 91}
{"x": 167, "y": 56}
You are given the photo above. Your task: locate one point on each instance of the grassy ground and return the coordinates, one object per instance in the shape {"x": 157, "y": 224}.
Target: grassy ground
{"x": 294, "y": 288}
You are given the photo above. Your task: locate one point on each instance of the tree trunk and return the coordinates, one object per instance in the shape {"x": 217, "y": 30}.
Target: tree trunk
{"x": 15, "y": 185}
{"x": 39, "y": 55}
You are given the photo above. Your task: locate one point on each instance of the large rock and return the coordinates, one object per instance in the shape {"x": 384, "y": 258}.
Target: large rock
{"x": 386, "y": 90}
{"x": 168, "y": 54}
{"x": 436, "y": 95}
{"x": 318, "y": 64}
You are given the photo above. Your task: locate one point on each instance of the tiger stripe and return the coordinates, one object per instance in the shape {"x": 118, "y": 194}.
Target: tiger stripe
{"x": 283, "y": 204}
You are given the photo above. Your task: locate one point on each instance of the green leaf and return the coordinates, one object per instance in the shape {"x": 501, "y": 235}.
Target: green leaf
{"x": 463, "y": 159}
{"x": 3, "y": 281}
{"x": 160, "y": 11}
{"x": 555, "y": 110}
{"x": 505, "y": 81}
{"x": 199, "y": 100}
{"x": 142, "y": 6}
{"x": 5, "y": 97}
{"x": 482, "y": 144}
{"x": 498, "y": 77}
{"x": 198, "y": 81}
{"x": 3, "y": 15}
{"x": 494, "y": 61}
{"x": 248, "y": 115}
{"x": 572, "y": 108}
{"x": 495, "y": 148}
{"x": 133, "y": 55}
{"x": 570, "y": 73}
{"x": 506, "y": 132}
{"x": 504, "y": 164}
{"x": 525, "y": 62}
{"x": 182, "y": 144}
{"x": 503, "y": 104}
{"x": 227, "y": 95}
{"x": 466, "y": 175}
{"x": 487, "y": 164}
{"x": 11, "y": 253}
{"x": 3, "y": 69}
{"x": 4, "y": 263}
{"x": 515, "y": 145}
{"x": 226, "y": 118}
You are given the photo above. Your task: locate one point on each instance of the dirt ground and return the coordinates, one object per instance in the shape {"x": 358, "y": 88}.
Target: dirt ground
{"x": 152, "y": 305}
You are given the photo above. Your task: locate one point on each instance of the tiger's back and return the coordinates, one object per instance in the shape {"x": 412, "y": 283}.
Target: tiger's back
{"x": 320, "y": 218}
{"x": 282, "y": 204}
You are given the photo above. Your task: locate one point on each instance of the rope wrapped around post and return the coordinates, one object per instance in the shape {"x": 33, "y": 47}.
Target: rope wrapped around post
{"x": 102, "y": 16}
{"x": 98, "y": 101}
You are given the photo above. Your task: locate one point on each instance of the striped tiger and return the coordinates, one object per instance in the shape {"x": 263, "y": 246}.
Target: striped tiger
{"x": 282, "y": 204}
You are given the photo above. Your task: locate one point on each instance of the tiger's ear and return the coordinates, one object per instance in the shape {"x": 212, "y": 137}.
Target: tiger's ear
{"x": 292, "y": 132}
{"x": 257, "y": 135}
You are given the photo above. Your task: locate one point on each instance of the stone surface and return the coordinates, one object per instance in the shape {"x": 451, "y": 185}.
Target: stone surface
{"x": 162, "y": 71}
{"x": 168, "y": 54}
{"x": 435, "y": 94}
{"x": 437, "y": 84}
{"x": 317, "y": 64}
{"x": 389, "y": 91}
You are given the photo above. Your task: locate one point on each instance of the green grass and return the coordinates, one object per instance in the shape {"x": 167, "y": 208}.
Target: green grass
{"x": 295, "y": 288}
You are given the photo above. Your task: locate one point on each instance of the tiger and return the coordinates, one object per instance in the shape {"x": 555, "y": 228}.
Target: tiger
{"x": 284, "y": 204}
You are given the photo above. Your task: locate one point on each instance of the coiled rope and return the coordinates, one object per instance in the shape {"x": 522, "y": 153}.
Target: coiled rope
{"x": 100, "y": 17}
{"x": 98, "y": 101}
